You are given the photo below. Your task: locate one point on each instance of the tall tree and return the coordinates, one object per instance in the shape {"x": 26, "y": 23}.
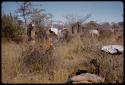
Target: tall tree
{"x": 25, "y": 10}
{"x": 40, "y": 18}
{"x": 30, "y": 11}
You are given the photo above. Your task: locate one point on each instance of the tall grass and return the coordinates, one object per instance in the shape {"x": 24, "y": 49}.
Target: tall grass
{"x": 35, "y": 64}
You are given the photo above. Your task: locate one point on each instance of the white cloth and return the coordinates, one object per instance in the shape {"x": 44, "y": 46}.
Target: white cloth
{"x": 55, "y": 30}
{"x": 33, "y": 25}
{"x": 112, "y": 49}
{"x": 96, "y": 32}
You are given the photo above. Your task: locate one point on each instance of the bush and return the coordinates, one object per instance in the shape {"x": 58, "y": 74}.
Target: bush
{"x": 11, "y": 30}
{"x": 41, "y": 34}
{"x": 108, "y": 66}
{"x": 36, "y": 59}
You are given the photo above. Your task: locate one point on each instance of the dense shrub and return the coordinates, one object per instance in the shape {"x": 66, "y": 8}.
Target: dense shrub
{"x": 41, "y": 34}
{"x": 11, "y": 30}
{"x": 36, "y": 59}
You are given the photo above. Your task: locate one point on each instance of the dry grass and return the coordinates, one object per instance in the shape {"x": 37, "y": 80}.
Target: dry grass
{"x": 10, "y": 54}
{"x": 36, "y": 65}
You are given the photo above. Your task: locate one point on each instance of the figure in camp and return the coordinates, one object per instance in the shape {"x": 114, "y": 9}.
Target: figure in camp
{"x": 29, "y": 30}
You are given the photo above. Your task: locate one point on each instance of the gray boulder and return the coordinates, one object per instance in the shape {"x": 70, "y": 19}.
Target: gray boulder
{"x": 86, "y": 78}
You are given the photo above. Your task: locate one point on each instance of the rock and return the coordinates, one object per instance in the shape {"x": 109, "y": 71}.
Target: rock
{"x": 81, "y": 82}
{"x": 87, "y": 78}
{"x": 113, "y": 49}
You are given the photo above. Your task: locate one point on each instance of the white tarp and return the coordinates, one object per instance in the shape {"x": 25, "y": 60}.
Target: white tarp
{"x": 33, "y": 25}
{"x": 96, "y": 32}
{"x": 55, "y": 30}
{"x": 113, "y": 49}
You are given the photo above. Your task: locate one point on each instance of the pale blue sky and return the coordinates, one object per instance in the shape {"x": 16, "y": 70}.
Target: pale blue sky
{"x": 103, "y": 11}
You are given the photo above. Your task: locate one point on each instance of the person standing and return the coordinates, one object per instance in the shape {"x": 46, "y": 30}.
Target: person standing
{"x": 29, "y": 30}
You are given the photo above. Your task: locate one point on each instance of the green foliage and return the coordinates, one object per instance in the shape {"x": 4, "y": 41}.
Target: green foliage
{"x": 11, "y": 30}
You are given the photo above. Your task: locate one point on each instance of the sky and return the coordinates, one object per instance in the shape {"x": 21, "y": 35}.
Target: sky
{"x": 103, "y": 11}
